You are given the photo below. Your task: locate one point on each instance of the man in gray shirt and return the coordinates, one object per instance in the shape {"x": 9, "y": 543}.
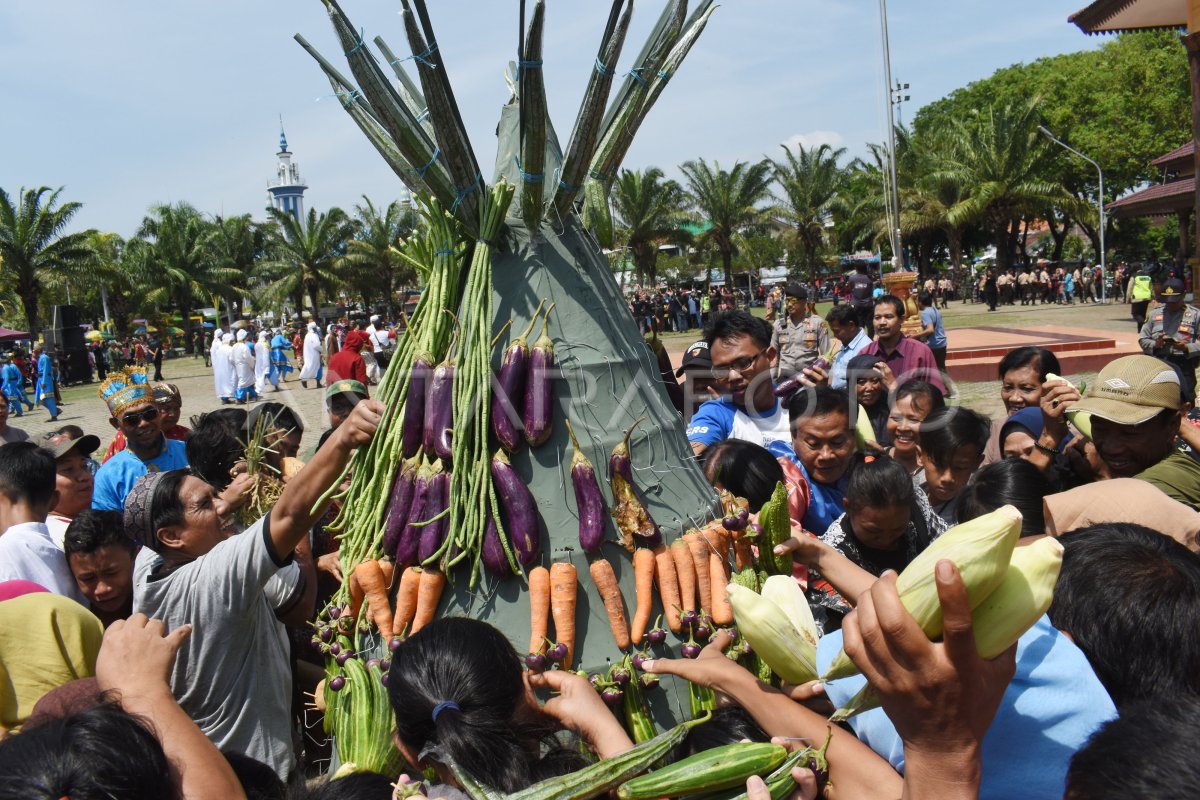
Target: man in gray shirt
{"x": 232, "y": 675}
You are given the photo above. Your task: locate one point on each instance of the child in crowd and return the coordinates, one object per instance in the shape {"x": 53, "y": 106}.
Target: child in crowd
{"x": 951, "y": 449}
{"x": 871, "y": 393}
{"x": 1011, "y": 482}
{"x": 27, "y": 551}
{"x": 913, "y": 402}
{"x": 744, "y": 469}
{"x": 75, "y": 432}
{"x": 101, "y": 556}
{"x": 74, "y": 482}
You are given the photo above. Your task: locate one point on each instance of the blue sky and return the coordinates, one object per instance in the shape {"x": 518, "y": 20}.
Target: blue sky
{"x": 133, "y": 103}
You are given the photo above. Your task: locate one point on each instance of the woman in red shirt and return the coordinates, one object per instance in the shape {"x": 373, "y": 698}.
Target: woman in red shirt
{"x": 347, "y": 363}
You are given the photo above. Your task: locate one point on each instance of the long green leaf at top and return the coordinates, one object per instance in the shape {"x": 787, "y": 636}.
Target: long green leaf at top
{"x": 532, "y": 90}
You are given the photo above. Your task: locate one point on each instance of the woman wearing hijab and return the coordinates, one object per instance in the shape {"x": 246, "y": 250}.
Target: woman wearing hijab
{"x": 262, "y": 363}
{"x": 313, "y": 368}
{"x": 243, "y": 368}
{"x": 348, "y": 364}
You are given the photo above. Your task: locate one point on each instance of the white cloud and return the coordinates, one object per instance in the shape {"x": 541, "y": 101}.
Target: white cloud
{"x": 814, "y": 139}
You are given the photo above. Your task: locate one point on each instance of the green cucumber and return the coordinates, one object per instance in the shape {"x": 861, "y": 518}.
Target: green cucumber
{"x": 780, "y": 782}
{"x": 591, "y": 781}
{"x": 709, "y": 771}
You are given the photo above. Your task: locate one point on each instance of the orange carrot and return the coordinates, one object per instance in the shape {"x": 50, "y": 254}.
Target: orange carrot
{"x": 429, "y": 593}
{"x": 686, "y": 570}
{"x": 539, "y": 608}
{"x": 356, "y": 596}
{"x": 699, "y": 552}
{"x": 722, "y": 613}
{"x": 614, "y": 605}
{"x": 375, "y": 590}
{"x": 406, "y": 601}
{"x": 563, "y": 589}
{"x": 643, "y": 576}
{"x": 388, "y": 568}
{"x": 668, "y": 586}
{"x": 743, "y": 553}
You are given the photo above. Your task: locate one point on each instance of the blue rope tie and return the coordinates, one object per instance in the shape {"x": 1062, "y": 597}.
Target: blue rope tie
{"x": 567, "y": 187}
{"x": 527, "y": 65}
{"x": 603, "y": 70}
{"x": 424, "y": 115}
{"x": 528, "y": 177}
{"x": 636, "y": 74}
{"x": 423, "y": 57}
{"x": 349, "y": 97}
{"x": 443, "y": 252}
{"x": 664, "y": 75}
{"x": 462, "y": 194}
{"x": 358, "y": 46}
{"x": 599, "y": 176}
{"x": 432, "y": 160}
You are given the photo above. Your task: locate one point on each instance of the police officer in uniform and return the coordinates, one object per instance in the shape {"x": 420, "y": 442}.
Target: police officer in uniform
{"x": 1172, "y": 334}
{"x": 799, "y": 336}
{"x": 1141, "y": 289}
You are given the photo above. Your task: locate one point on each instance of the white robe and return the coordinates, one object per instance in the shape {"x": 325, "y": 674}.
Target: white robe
{"x": 214, "y": 359}
{"x": 312, "y": 356}
{"x": 262, "y": 365}
{"x": 243, "y": 365}
{"x": 222, "y": 360}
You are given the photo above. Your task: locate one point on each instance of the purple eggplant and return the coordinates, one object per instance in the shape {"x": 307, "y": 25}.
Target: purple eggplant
{"x": 437, "y": 500}
{"x": 793, "y": 384}
{"x": 414, "y": 406}
{"x": 538, "y": 416}
{"x": 410, "y": 537}
{"x": 492, "y": 552}
{"x": 439, "y": 405}
{"x": 634, "y": 522}
{"x": 518, "y": 508}
{"x": 399, "y": 503}
{"x": 508, "y": 392}
{"x": 587, "y": 498}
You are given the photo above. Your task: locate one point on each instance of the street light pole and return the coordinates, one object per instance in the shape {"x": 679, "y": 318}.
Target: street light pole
{"x": 1100, "y": 204}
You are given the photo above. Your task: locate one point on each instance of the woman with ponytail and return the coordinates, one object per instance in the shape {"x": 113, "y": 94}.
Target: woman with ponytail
{"x": 458, "y": 692}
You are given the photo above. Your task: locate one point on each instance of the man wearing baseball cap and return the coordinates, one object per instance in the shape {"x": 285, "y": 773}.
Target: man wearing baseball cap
{"x": 1135, "y": 408}
{"x": 1170, "y": 334}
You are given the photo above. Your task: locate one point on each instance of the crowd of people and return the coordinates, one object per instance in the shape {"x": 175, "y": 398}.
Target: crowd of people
{"x": 154, "y": 646}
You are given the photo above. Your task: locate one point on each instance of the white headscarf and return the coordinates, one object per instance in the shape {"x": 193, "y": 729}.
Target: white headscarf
{"x": 217, "y": 333}
{"x": 312, "y": 326}
{"x": 263, "y": 336}
{"x": 241, "y": 335}
{"x": 226, "y": 338}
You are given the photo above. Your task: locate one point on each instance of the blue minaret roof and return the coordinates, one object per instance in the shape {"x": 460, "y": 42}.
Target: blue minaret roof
{"x": 282, "y": 138}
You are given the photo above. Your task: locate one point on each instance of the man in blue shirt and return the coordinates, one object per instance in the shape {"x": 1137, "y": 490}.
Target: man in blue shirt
{"x": 43, "y": 391}
{"x": 843, "y": 321}
{"x": 742, "y": 357}
{"x": 933, "y": 332}
{"x": 133, "y": 412}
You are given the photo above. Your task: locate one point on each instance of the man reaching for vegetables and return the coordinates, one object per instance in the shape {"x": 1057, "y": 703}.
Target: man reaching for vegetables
{"x": 232, "y": 676}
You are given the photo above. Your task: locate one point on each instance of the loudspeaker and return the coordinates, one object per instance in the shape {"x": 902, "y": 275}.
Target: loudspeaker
{"x": 65, "y": 317}
{"x": 75, "y": 366}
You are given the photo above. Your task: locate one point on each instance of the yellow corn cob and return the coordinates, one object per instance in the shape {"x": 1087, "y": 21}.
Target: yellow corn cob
{"x": 863, "y": 432}
{"x": 763, "y": 624}
{"x": 981, "y": 549}
{"x": 783, "y": 591}
{"x": 1003, "y": 617}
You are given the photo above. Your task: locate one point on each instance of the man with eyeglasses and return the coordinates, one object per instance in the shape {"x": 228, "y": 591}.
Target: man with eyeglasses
{"x": 135, "y": 415}
{"x": 742, "y": 357}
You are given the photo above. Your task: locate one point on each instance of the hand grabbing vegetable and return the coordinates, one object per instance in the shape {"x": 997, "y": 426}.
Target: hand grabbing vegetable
{"x": 941, "y": 696}
{"x": 331, "y": 563}
{"x": 712, "y": 668}
{"x": 806, "y": 786}
{"x": 235, "y": 495}
{"x": 578, "y": 707}
{"x": 359, "y": 428}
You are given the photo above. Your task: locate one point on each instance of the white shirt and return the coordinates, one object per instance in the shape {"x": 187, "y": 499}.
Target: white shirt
{"x": 716, "y": 420}
{"x": 371, "y": 333}
{"x": 27, "y": 553}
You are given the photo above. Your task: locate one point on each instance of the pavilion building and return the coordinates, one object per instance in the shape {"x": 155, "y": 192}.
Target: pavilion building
{"x": 1174, "y": 195}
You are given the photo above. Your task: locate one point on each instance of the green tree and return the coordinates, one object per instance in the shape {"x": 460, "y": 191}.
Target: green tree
{"x": 728, "y": 200}
{"x": 372, "y": 264}
{"x": 237, "y": 245}
{"x": 649, "y": 209}
{"x": 175, "y": 261}
{"x": 999, "y": 156}
{"x": 304, "y": 258}
{"x": 810, "y": 180}
{"x": 34, "y": 246}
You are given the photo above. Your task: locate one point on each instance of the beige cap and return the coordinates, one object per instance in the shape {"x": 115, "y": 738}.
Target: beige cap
{"x": 1131, "y": 390}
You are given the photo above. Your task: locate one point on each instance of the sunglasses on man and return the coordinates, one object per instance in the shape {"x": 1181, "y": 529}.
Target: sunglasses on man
{"x": 135, "y": 418}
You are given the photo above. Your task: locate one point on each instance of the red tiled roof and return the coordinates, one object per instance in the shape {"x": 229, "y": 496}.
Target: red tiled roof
{"x": 1179, "y": 153}
{"x": 1157, "y": 200}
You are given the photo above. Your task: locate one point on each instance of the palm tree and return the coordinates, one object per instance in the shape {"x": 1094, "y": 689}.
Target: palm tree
{"x": 997, "y": 156}
{"x": 305, "y": 258}
{"x": 237, "y": 244}
{"x": 650, "y": 210}
{"x": 373, "y": 263}
{"x": 176, "y": 260}
{"x": 811, "y": 181}
{"x": 728, "y": 200}
{"x": 33, "y": 246}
